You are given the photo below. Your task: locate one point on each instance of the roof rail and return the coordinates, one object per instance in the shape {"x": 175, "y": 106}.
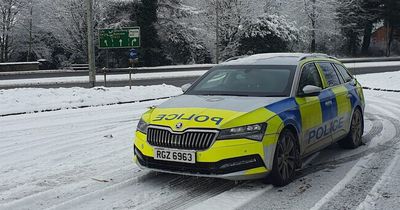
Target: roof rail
{"x": 317, "y": 55}
{"x": 235, "y": 58}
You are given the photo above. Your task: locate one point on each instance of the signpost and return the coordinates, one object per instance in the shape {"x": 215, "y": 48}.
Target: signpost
{"x": 133, "y": 58}
{"x": 119, "y": 38}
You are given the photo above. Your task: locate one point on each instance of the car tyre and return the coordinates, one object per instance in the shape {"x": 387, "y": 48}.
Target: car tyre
{"x": 286, "y": 159}
{"x": 354, "y": 137}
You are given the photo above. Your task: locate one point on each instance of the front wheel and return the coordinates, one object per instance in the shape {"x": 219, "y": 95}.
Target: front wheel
{"x": 354, "y": 138}
{"x": 286, "y": 159}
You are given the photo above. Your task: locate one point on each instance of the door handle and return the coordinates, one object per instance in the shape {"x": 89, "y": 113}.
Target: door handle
{"x": 328, "y": 103}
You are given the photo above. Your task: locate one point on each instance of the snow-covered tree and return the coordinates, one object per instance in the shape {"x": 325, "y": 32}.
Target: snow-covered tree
{"x": 9, "y": 14}
{"x": 268, "y": 33}
{"x": 390, "y": 14}
{"x": 316, "y": 22}
{"x": 178, "y": 34}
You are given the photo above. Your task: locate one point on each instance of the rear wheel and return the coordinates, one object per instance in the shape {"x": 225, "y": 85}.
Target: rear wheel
{"x": 286, "y": 159}
{"x": 354, "y": 138}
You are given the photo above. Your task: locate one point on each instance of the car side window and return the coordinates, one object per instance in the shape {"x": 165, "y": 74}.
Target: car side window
{"x": 330, "y": 74}
{"x": 345, "y": 74}
{"x": 338, "y": 74}
{"x": 309, "y": 76}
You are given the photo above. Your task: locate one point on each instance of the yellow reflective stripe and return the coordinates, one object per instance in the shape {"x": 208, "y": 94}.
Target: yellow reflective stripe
{"x": 256, "y": 170}
{"x": 311, "y": 113}
{"x": 224, "y": 149}
{"x": 322, "y": 75}
{"x": 343, "y": 102}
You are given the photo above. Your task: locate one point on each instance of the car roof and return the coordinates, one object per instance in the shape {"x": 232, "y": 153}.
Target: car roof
{"x": 275, "y": 59}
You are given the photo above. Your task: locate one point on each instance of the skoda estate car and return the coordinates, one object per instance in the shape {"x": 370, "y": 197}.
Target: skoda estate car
{"x": 253, "y": 117}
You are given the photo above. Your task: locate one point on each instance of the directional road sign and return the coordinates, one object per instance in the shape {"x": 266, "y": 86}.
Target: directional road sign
{"x": 119, "y": 38}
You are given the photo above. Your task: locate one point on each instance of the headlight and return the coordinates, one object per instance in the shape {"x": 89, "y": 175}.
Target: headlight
{"x": 253, "y": 132}
{"x": 142, "y": 126}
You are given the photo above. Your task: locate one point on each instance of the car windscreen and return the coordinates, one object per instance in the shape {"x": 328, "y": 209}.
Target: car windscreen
{"x": 250, "y": 80}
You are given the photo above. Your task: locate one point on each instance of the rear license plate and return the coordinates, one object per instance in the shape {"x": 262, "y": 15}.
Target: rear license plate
{"x": 175, "y": 155}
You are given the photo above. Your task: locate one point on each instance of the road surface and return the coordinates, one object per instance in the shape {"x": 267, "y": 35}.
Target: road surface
{"x": 81, "y": 159}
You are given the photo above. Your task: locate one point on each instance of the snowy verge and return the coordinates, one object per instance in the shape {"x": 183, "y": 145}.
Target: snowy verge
{"x": 386, "y": 80}
{"x": 38, "y": 99}
{"x": 99, "y": 78}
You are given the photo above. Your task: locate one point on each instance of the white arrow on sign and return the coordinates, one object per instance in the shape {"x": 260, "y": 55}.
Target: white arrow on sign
{"x": 133, "y": 42}
{"x": 105, "y": 42}
{"x": 120, "y": 42}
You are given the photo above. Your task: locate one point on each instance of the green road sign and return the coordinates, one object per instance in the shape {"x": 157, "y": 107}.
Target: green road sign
{"x": 119, "y": 38}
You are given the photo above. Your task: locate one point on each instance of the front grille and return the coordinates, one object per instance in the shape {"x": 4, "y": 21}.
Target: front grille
{"x": 190, "y": 140}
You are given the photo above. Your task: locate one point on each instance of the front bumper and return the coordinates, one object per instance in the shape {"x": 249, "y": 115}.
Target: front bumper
{"x": 233, "y": 169}
{"x": 231, "y": 159}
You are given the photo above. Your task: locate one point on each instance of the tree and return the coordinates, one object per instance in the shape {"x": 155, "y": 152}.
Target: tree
{"x": 370, "y": 15}
{"x": 390, "y": 13}
{"x": 150, "y": 53}
{"x": 269, "y": 33}
{"x": 224, "y": 20}
{"x": 177, "y": 33}
{"x": 315, "y": 20}
{"x": 348, "y": 15}
{"x": 9, "y": 10}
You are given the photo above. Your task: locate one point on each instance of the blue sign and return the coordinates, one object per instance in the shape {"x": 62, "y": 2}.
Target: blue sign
{"x": 133, "y": 54}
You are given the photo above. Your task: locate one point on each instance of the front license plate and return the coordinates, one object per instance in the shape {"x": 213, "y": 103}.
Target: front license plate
{"x": 175, "y": 155}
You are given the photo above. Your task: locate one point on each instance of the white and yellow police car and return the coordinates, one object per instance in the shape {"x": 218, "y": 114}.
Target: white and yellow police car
{"x": 253, "y": 116}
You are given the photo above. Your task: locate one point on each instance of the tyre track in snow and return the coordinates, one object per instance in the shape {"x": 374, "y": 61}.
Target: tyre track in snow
{"x": 193, "y": 198}
{"x": 200, "y": 193}
{"x": 86, "y": 167}
{"x": 356, "y": 190}
{"x": 148, "y": 190}
{"x": 70, "y": 138}
{"x": 377, "y": 128}
{"x": 327, "y": 169}
{"x": 67, "y": 176}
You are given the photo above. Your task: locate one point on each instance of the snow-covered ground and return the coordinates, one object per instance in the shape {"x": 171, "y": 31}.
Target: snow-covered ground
{"x": 387, "y": 80}
{"x": 38, "y": 99}
{"x": 81, "y": 159}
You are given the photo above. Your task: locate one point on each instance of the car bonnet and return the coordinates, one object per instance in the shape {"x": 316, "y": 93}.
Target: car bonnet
{"x": 195, "y": 111}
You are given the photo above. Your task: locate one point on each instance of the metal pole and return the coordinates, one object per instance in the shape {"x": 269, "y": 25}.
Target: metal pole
{"x": 90, "y": 37}
{"x": 130, "y": 79}
{"x": 28, "y": 58}
{"x": 105, "y": 76}
{"x": 217, "y": 31}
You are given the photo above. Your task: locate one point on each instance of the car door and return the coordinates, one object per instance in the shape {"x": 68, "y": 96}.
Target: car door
{"x": 336, "y": 122}
{"x": 348, "y": 94}
{"x": 311, "y": 110}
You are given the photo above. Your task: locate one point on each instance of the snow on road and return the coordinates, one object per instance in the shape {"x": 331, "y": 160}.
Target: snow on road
{"x": 81, "y": 159}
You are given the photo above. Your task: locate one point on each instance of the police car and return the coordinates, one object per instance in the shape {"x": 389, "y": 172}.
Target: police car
{"x": 253, "y": 116}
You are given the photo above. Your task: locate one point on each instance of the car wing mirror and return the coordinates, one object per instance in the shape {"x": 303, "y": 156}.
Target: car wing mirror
{"x": 185, "y": 87}
{"x": 311, "y": 90}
